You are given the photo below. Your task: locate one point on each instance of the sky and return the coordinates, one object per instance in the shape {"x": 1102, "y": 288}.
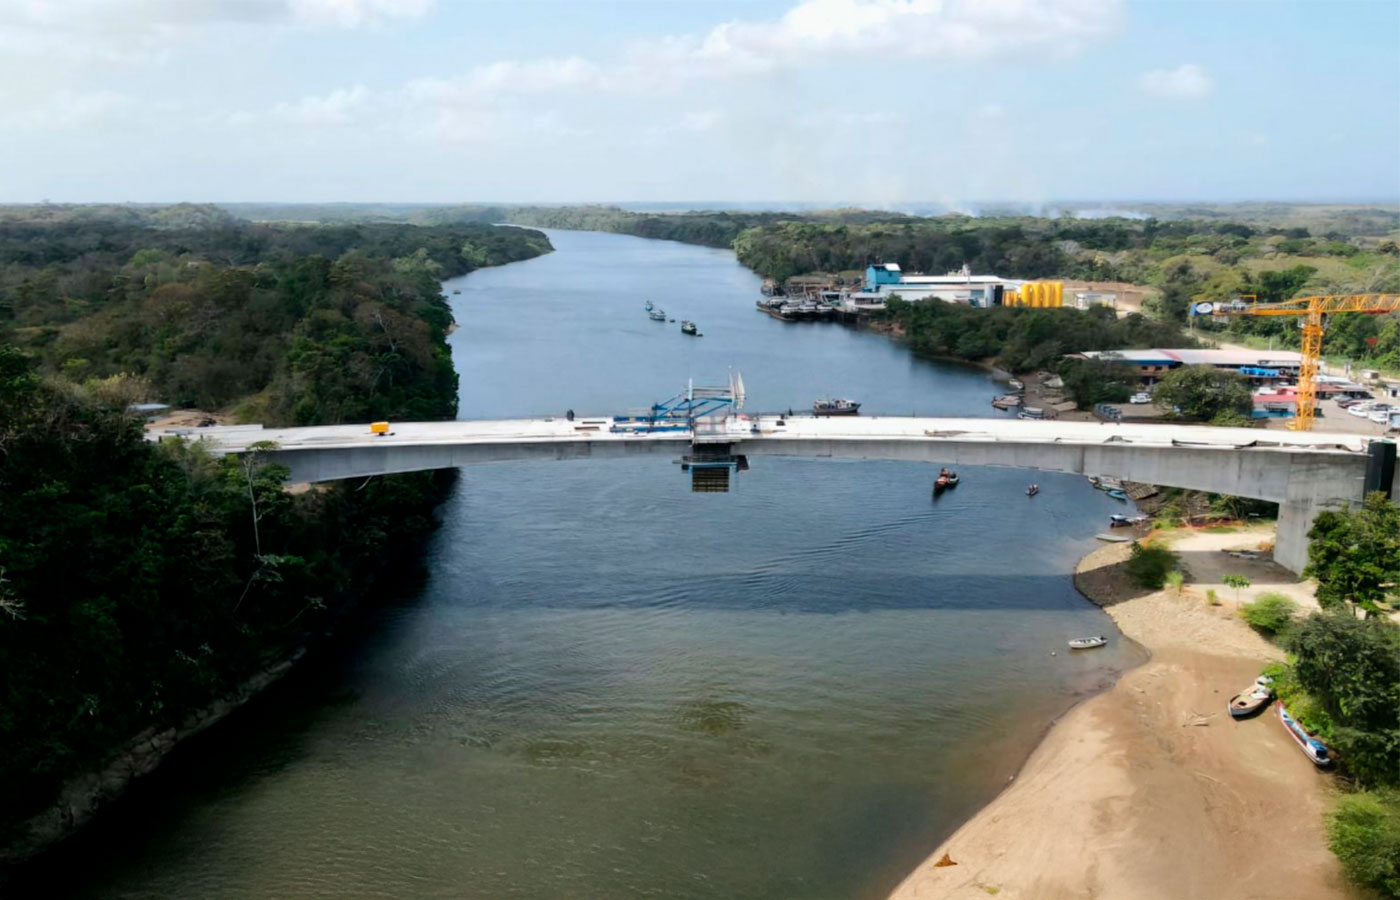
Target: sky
{"x": 865, "y": 102}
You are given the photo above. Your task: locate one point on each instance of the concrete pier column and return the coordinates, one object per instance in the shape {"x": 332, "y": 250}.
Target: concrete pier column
{"x": 1295, "y": 518}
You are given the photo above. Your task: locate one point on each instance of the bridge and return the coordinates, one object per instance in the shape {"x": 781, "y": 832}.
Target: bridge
{"x": 1304, "y": 472}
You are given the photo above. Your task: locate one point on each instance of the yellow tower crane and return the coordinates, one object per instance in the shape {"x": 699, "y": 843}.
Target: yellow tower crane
{"x": 1311, "y": 309}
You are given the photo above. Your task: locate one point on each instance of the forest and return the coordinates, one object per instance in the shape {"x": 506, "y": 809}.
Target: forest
{"x": 295, "y": 325}
{"x": 139, "y": 581}
{"x": 1023, "y": 340}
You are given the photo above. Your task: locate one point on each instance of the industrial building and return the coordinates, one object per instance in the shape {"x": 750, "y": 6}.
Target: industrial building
{"x": 885, "y": 280}
{"x": 1260, "y": 366}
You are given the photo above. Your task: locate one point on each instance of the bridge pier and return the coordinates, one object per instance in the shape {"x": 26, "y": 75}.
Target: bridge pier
{"x": 1295, "y": 518}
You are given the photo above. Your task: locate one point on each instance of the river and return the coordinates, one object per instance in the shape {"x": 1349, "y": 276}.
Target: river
{"x": 606, "y": 686}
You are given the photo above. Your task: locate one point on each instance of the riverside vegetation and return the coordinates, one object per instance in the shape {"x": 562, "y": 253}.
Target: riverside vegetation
{"x": 1342, "y": 678}
{"x": 141, "y": 581}
{"x": 1185, "y": 252}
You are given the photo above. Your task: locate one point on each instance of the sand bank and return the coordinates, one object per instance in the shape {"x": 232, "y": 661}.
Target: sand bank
{"x": 1150, "y": 790}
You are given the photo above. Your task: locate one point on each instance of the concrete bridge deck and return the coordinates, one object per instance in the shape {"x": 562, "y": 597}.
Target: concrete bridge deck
{"x": 1302, "y": 471}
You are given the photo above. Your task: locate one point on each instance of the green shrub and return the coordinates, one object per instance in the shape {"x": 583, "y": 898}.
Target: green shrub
{"x": 1176, "y": 580}
{"x": 1301, "y": 705}
{"x": 1149, "y": 565}
{"x": 1364, "y": 831}
{"x": 1271, "y": 612}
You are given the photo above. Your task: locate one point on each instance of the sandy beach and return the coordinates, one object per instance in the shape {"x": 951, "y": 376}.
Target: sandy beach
{"x": 1150, "y": 790}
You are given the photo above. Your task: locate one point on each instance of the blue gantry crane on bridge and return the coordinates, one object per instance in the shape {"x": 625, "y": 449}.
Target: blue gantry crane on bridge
{"x": 709, "y": 462}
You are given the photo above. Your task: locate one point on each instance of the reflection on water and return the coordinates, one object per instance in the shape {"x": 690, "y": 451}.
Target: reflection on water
{"x": 610, "y": 687}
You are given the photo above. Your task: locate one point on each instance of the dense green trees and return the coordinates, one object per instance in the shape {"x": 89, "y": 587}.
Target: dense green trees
{"x": 139, "y": 581}
{"x": 1093, "y": 381}
{"x": 1022, "y": 340}
{"x": 1355, "y": 555}
{"x": 302, "y": 324}
{"x": 1352, "y": 666}
{"x": 137, "y": 586}
{"x": 1344, "y": 682}
{"x": 1205, "y": 394}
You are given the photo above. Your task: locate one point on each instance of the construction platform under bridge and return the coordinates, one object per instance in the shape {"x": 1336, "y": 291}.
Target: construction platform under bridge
{"x": 708, "y": 462}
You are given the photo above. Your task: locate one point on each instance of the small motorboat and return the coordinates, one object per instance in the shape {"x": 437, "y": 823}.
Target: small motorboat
{"x": 657, "y": 315}
{"x": 1087, "y": 643}
{"x": 1016, "y": 384}
{"x": 456, "y": 292}
{"x": 689, "y": 327}
{"x": 946, "y": 479}
{"x": 1117, "y": 521}
{"x": 1252, "y": 699}
{"x": 650, "y": 306}
{"x": 1118, "y": 495}
{"x": 1112, "y": 538}
{"x": 1032, "y": 412}
{"x": 1033, "y": 490}
{"x": 836, "y": 407}
{"x": 1009, "y": 401}
{"x": 1312, "y": 748}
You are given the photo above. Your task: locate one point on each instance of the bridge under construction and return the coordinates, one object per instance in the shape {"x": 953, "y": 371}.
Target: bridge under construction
{"x": 1304, "y": 472}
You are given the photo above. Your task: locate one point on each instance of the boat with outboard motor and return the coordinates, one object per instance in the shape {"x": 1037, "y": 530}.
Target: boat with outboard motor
{"x": 1312, "y": 748}
{"x": 1087, "y": 643}
{"x": 947, "y": 478}
{"x": 836, "y": 406}
{"x": 1252, "y": 699}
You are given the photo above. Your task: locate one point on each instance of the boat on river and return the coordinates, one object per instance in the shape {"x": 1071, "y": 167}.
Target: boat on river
{"x": 1312, "y": 748}
{"x": 1252, "y": 699}
{"x": 1118, "y": 495}
{"x": 946, "y": 479}
{"x": 656, "y": 315}
{"x": 650, "y": 306}
{"x": 1087, "y": 643}
{"x": 1010, "y": 401}
{"x": 836, "y": 407}
{"x": 689, "y": 327}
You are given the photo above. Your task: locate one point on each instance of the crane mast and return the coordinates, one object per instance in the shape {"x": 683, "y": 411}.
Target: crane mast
{"x": 1311, "y": 310}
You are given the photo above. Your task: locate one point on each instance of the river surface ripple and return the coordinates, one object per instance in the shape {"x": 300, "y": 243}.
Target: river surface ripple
{"x": 609, "y": 687}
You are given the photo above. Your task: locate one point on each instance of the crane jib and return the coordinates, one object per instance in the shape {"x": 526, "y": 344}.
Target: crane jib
{"x": 1312, "y": 309}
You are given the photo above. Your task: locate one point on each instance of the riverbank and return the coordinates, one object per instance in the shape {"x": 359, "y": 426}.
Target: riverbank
{"x": 1150, "y": 790}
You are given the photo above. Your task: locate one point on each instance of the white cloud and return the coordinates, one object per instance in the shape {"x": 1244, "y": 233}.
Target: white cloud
{"x": 936, "y": 29}
{"x": 991, "y": 111}
{"x": 336, "y": 108}
{"x": 806, "y": 35}
{"x": 1186, "y": 80}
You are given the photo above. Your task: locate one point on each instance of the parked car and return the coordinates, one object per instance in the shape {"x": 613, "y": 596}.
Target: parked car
{"x": 1362, "y": 409}
{"x": 1141, "y": 397}
{"x": 1380, "y": 414}
{"x": 1347, "y": 402}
